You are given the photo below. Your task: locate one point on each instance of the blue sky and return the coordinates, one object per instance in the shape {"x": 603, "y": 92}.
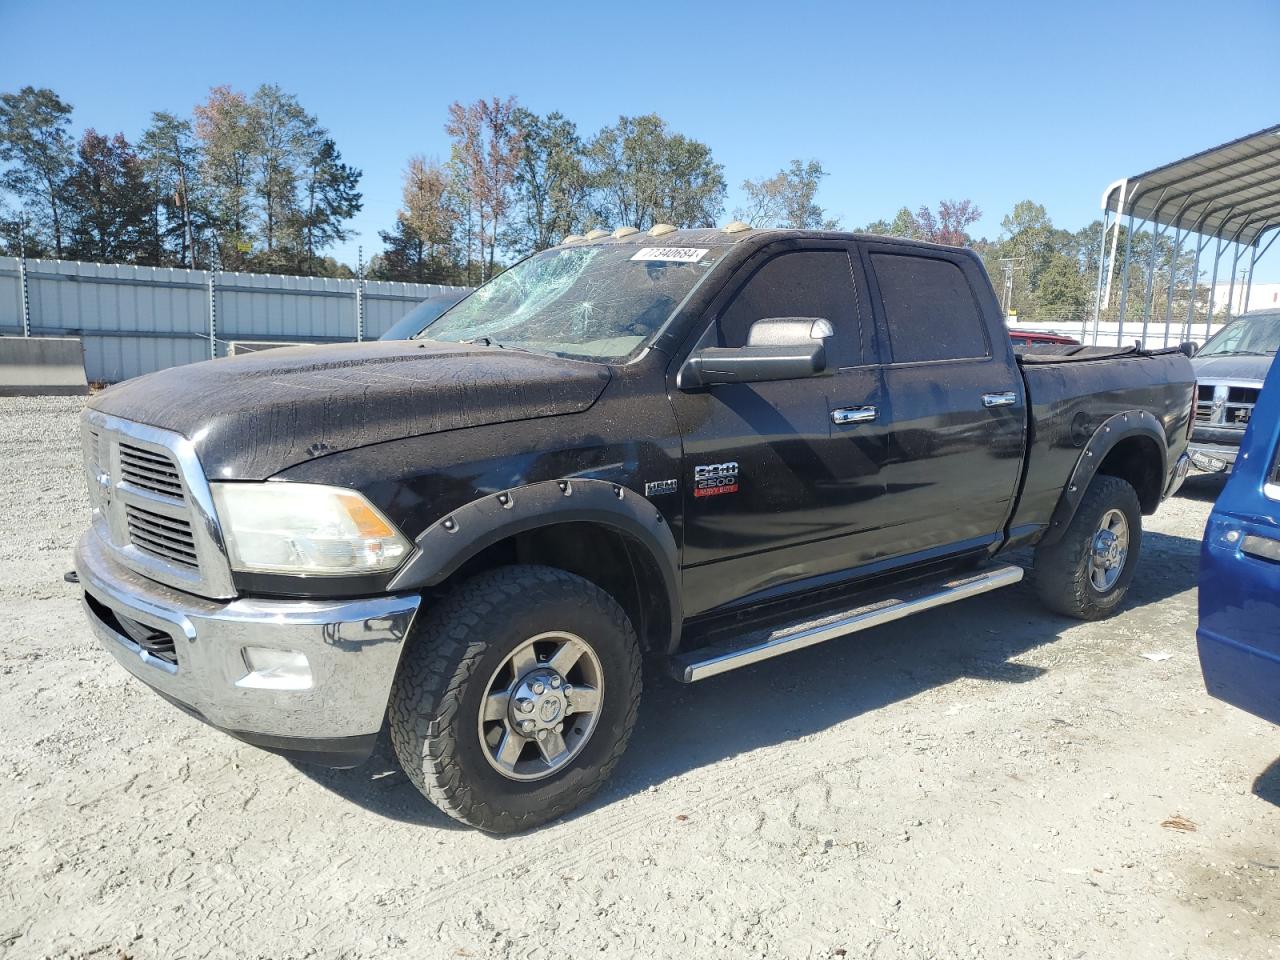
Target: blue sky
{"x": 903, "y": 103}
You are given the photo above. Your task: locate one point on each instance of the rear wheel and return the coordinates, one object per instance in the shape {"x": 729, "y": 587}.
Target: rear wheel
{"x": 1086, "y": 574}
{"x": 516, "y": 697}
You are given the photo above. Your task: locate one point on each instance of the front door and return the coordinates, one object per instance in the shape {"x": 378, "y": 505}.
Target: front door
{"x": 764, "y": 475}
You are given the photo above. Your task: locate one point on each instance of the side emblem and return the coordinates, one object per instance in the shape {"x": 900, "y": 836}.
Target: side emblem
{"x": 661, "y": 486}
{"x": 714, "y": 479}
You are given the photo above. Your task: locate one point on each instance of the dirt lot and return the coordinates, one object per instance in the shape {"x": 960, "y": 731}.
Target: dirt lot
{"x": 987, "y": 780}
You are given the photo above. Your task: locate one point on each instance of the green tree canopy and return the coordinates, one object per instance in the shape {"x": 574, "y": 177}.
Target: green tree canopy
{"x": 34, "y": 141}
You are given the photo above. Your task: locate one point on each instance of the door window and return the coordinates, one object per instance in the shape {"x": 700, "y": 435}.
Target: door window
{"x": 929, "y": 309}
{"x": 803, "y": 283}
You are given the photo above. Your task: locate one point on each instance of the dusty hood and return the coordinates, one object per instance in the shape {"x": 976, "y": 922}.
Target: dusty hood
{"x": 1228, "y": 367}
{"x": 255, "y": 415}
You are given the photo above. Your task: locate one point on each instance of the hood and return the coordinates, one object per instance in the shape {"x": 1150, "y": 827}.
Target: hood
{"x": 253, "y": 416}
{"x": 1228, "y": 367}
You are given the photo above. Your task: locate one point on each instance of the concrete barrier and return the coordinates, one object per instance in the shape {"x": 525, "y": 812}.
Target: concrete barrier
{"x": 42, "y": 366}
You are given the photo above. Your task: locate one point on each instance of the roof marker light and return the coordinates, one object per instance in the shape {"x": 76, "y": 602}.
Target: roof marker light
{"x": 571, "y": 238}
{"x": 596, "y": 234}
{"x": 624, "y": 232}
{"x": 736, "y": 227}
{"x": 661, "y": 229}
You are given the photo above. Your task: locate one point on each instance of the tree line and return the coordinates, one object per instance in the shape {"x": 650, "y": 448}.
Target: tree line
{"x": 245, "y": 182}
{"x": 516, "y": 182}
{"x": 256, "y": 182}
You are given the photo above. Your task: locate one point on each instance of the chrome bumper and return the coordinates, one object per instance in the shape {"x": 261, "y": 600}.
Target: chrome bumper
{"x": 352, "y": 648}
{"x": 1206, "y": 457}
{"x": 1180, "y": 471}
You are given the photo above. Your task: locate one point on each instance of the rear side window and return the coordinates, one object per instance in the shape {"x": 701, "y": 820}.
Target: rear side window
{"x": 929, "y": 309}
{"x": 804, "y": 283}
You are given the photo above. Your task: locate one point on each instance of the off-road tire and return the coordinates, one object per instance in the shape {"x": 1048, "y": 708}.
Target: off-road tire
{"x": 1061, "y": 570}
{"x": 449, "y": 659}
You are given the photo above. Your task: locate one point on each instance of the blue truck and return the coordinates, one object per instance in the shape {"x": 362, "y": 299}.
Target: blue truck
{"x": 1239, "y": 632}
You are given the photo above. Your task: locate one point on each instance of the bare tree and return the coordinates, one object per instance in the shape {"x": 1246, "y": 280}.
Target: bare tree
{"x": 429, "y": 205}
{"x": 487, "y": 150}
{"x": 787, "y": 199}
{"x": 950, "y": 225}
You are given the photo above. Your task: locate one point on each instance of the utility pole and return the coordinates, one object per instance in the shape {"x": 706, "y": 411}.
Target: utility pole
{"x": 1009, "y": 265}
{"x": 360, "y": 294}
{"x": 22, "y": 273}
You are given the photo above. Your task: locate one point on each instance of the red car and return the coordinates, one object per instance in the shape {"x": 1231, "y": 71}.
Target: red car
{"x": 1038, "y": 338}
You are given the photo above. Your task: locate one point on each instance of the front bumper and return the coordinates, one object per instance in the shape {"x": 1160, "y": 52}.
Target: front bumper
{"x": 352, "y": 649}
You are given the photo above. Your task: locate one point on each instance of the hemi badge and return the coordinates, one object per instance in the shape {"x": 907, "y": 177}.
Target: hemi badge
{"x": 661, "y": 486}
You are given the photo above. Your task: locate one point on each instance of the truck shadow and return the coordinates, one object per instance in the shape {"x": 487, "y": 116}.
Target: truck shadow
{"x": 1204, "y": 487}
{"x": 684, "y": 727}
{"x": 1267, "y": 786}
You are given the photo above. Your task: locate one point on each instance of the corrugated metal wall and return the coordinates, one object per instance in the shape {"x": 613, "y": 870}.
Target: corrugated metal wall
{"x": 138, "y": 319}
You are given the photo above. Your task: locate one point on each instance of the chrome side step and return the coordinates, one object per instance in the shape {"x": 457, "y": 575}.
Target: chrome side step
{"x": 721, "y": 658}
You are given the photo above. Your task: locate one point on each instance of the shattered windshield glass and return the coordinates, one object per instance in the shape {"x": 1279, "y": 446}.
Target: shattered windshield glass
{"x": 600, "y": 302}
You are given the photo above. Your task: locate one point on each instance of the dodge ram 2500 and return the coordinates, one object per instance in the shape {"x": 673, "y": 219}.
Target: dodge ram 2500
{"x": 706, "y": 446}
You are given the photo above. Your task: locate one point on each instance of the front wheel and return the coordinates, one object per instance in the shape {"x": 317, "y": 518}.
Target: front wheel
{"x": 1086, "y": 574}
{"x": 516, "y": 697}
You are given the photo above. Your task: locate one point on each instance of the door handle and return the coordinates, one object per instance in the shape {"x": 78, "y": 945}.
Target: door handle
{"x": 844, "y": 415}
{"x": 1007, "y": 399}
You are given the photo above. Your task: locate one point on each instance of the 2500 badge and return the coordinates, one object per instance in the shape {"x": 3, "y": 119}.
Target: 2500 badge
{"x": 713, "y": 479}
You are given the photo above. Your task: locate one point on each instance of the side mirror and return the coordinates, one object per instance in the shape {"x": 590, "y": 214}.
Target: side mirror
{"x": 778, "y": 348}
{"x": 1189, "y": 347}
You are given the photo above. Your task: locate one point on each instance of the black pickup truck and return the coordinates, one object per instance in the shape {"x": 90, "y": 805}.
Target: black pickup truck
{"x": 705, "y": 446}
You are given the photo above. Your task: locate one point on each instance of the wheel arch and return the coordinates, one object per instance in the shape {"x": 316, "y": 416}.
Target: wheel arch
{"x": 1130, "y": 445}
{"x": 602, "y": 531}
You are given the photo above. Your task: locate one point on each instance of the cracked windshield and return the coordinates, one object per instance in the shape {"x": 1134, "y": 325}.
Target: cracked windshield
{"x": 600, "y": 302}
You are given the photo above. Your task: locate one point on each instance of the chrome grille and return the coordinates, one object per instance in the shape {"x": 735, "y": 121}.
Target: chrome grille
{"x": 169, "y": 538}
{"x": 1204, "y": 403}
{"x": 153, "y": 506}
{"x": 155, "y": 472}
{"x": 1225, "y": 405}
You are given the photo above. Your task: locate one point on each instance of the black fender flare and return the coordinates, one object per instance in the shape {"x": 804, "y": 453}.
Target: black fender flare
{"x": 449, "y": 542}
{"x": 1113, "y": 430}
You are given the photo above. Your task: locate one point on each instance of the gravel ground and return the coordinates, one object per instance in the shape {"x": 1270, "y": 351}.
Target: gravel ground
{"x": 986, "y": 780}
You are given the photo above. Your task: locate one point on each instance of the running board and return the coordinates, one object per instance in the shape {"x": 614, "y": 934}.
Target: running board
{"x": 761, "y": 645}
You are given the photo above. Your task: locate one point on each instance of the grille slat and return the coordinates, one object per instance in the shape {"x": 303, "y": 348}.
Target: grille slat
{"x": 158, "y": 643}
{"x": 150, "y": 471}
{"x": 157, "y": 549}
{"x": 95, "y": 450}
{"x": 169, "y": 538}
{"x": 161, "y": 541}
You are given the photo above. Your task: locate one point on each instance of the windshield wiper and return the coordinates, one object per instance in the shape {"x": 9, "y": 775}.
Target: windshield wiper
{"x": 490, "y": 342}
{"x": 1245, "y": 353}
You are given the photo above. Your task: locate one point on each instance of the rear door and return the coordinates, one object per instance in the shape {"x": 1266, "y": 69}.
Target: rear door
{"x": 954, "y": 402}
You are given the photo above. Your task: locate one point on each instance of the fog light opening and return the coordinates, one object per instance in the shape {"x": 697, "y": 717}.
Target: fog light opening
{"x": 273, "y": 669}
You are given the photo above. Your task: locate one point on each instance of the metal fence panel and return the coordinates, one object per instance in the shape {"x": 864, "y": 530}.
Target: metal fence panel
{"x": 134, "y": 320}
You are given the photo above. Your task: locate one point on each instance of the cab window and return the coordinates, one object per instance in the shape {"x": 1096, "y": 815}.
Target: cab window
{"x": 929, "y": 309}
{"x": 801, "y": 283}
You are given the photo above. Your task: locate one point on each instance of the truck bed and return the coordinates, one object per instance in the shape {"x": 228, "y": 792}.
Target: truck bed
{"x": 1071, "y": 392}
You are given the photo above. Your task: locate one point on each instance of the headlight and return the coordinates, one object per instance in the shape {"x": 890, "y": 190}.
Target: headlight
{"x": 303, "y": 528}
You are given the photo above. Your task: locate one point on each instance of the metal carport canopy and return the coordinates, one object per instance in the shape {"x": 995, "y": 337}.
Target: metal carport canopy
{"x": 1230, "y": 192}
